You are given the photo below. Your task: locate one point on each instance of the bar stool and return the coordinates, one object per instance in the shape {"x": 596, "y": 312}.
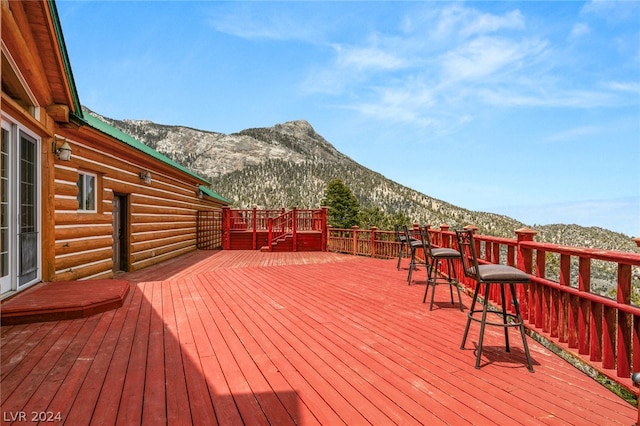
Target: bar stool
{"x": 401, "y": 238}
{"x": 489, "y": 275}
{"x": 414, "y": 245}
{"x": 436, "y": 255}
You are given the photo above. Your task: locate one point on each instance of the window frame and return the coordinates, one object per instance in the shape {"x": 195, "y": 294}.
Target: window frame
{"x": 82, "y": 192}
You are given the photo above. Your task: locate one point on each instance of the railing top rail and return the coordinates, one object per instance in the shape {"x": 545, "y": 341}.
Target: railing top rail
{"x": 592, "y": 297}
{"x": 599, "y": 254}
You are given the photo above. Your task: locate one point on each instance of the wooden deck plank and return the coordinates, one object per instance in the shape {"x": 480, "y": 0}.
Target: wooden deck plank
{"x": 445, "y": 412}
{"x": 80, "y": 367}
{"x": 357, "y": 345}
{"x": 350, "y": 384}
{"x": 277, "y": 386}
{"x": 130, "y": 408}
{"x": 288, "y": 338}
{"x": 226, "y": 408}
{"x": 304, "y": 381}
{"x": 177, "y": 398}
{"x": 255, "y": 399}
{"x": 110, "y": 396}
{"x": 200, "y": 406}
{"x": 335, "y": 354}
{"x": 27, "y": 362}
{"x": 82, "y": 408}
{"x": 154, "y": 398}
{"x": 62, "y": 362}
{"x": 18, "y": 347}
{"x": 271, "y": 343}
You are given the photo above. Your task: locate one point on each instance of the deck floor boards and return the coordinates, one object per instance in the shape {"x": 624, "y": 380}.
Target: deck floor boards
{"x": 246, "y": 337}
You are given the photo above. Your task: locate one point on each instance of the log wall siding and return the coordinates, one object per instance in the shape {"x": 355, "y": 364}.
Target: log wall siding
{"x": 161, "y": 216}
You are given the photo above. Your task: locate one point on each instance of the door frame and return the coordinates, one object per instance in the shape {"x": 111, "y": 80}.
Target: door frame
{"x": 120, "y": 213}
{"x": 13, "y": 281}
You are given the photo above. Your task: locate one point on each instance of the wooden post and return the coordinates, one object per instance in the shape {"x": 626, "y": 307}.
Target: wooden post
{"x": 324, "y": 228}
{"x": 226, "y": 228}
{"x": 373, "y": 241}
{"x": 355, "y": 240}
{"x": 624, "y": 321}
{"x": 525, "y": 263}
{"x": 445, "y": 240}
{"x": 294, "y": 213}
{"x": 270, "y": 233}
{"x": 254, "y": 242}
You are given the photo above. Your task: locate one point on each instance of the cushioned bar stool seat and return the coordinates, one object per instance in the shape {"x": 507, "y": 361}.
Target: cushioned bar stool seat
{"x": 487, "y": 276}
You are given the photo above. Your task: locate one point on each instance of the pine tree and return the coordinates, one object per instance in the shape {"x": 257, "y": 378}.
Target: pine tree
{"x": 343, "y": 206}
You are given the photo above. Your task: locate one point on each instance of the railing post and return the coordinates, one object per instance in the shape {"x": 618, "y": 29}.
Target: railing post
{"x": 373, "y": 241}
{"x": 624, "y": 340}
{"x": 324, "y": 228}
{"x": 270, "y": 233}
{"x": 254, "y": 243}
{"x": 525, "y": 263}
{"x": 355, "y": 240}
{"x": 294, "y": 213}
{"x": 445, "y": 241}
{"x": 226, "y": 228}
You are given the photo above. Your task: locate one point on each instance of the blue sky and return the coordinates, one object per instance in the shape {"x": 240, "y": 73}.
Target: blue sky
{"x": 529, "y": 109}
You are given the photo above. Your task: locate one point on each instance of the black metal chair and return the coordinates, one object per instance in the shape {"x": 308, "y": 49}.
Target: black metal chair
{"x": 436, "y": 255}
{"x": 414, "y": 245}
{"x": 401, "y": 238}
{"x": 488, "y": 275}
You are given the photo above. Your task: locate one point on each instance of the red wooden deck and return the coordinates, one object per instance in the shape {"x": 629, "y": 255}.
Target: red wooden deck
{"x": 246, "y": 337}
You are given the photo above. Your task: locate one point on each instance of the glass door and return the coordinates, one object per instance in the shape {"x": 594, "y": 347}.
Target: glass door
{"x": 28, "y": 214}
{"x": 19, "y": 209}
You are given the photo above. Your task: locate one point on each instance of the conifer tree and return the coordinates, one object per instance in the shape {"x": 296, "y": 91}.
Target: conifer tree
{"x": 343, "y": 206}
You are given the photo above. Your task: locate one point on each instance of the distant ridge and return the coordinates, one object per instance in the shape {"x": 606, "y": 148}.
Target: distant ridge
{"x": 290, "y": 164}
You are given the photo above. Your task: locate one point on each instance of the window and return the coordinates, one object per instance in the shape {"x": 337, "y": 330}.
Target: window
{"x": 86, "y": 192}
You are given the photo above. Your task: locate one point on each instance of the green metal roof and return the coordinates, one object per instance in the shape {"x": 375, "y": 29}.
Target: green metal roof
{"x": 119, "y": 135}
{"x": 210, "y": 193}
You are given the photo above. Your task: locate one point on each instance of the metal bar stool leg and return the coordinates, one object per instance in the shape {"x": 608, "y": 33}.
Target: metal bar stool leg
{"x": 412, "y": 265}
{"x": 504, "y": 319}
{"x": 434, "y": 278}
{"x": 521, "y": 326}
{"x": 449, "y": 279}
{"x": 483, "y": 323}
{"x": 473, "y": 304}
{"x": 400, "y": 254}
{"x": 430, "y": 270}
{"x": 455, "y": 276}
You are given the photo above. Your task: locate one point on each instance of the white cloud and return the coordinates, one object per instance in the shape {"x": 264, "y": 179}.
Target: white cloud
{"x": 250, "y": 23}
{"x": 574, "y": 134}
{"x": 482, "y": 57}
{"x": 632, "y": 87}
{"x": 367, "y": 58}
{"x": 579, "y": 30}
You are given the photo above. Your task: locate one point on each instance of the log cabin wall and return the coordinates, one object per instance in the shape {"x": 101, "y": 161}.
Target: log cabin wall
{"x": 160, "y": 215}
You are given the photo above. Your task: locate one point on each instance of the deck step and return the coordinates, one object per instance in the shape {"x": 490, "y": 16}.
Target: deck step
{"x": 64, "y": 300}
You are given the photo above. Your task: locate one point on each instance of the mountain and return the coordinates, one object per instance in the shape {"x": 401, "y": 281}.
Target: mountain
{"x": 290, "y": 164}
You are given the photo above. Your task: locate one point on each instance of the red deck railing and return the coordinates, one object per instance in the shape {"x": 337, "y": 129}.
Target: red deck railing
{"x": 274, "y": 223}
{"x": 600, "y": 332}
